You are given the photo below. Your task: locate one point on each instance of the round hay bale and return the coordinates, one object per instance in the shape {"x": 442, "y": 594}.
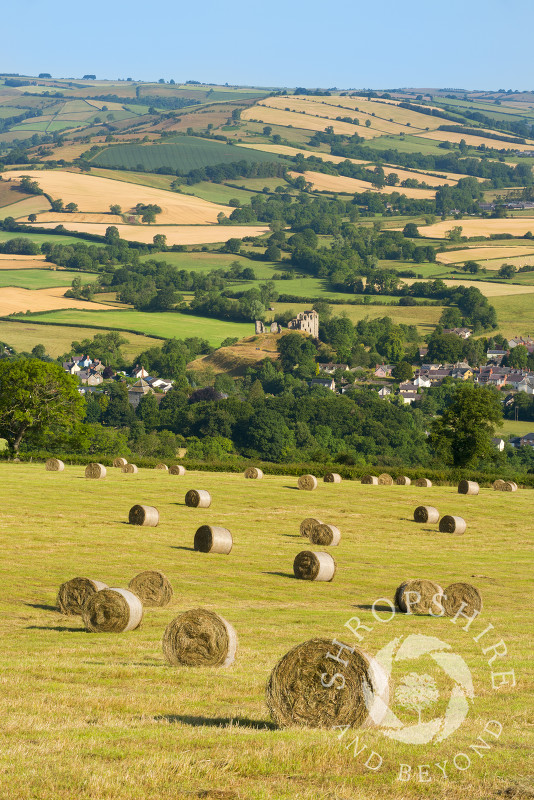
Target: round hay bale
{"x": 424, "y": 482}
{"x": 307, "y": 525}
{"x": 199, "y": 638}
{"x": 310, "y": 566}
{"x": 198, "y": 498}
{"x": 371, "y": 480}
{"x": 419, "y": 596}
{"x": 120, "y": 462}
{"x": 144, "y": 515}
{"x": 458, "y": 593}
{"x": 325, "y": 535}
{"x": 498, "y": 485}
{"x": 254, "y": 473}
{"x": 74, "y": 594}
{"x": 95, "y": 471}
{"x": 152, "y": 588}
{"x": 54, "y": 465}
{"x": 163, "y": 467}
{"x": 130, "y": 469}
{"x": 426, "y": 514}
{"x": 509, "y": 486}
{"x": 332, "y": 477}
{"x": 213, "y": 539}
{"x": 177, "y": 469}
{"x": 113, "y": 611}
{"x": 303, "y": 688}
{"x": 307, "y": 482}
{"x": 403, "y": 480}
{"x": 468, "y": 487}
{"x": 385, "y": 479}
{"x": 450, "y": 524}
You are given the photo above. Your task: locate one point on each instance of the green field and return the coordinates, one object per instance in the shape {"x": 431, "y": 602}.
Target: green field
{"x": 512, "y": 428}
{"x": 165, "y": 324}
{"x": 39, "y": 238}
{"x": 57, "y": 339}
{"x": 515, "y": 314}
{"x": 185, "y": 154}
{"x": 104, "y": 716}
{"x": 424, "y": 317}
{"x": 42, "y": 278}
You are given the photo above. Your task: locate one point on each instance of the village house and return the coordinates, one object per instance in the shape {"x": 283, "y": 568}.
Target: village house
{"x": 463, "y": 333}
{"x": 526, "y": 385}
{"x": 383, "y": 370}
{"x": 407, "y": 387}
{"x": 384, "y": 391}
{"x": 498, "y": 443}
{"x": 90, "y": 377}
{"x": 422, "y": 381}
{"x": 496, "y": 355}
{"x": 330, "y": 368}
{"x": 410, "y": 397}
{"x": 160, "y": 384}
{"x": 138, "y": 372}
{"x": 137, "y": 391}
{"x": 326, "y": 383}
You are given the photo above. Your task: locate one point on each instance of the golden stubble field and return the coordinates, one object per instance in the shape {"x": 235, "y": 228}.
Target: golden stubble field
{"x": 323, "y": 182}
{"x": 517, "y": 226}
{"x": 95, "y": 194}
{"x": 103, "y": 716}
{"x": 14, "y": 299}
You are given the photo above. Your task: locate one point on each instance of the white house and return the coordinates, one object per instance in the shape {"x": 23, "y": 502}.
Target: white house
{"x": 526, "y": 385}
{"x": 384, "y": 391}
{"x": 498, "y": 443}
{"x": 422, "y": 382}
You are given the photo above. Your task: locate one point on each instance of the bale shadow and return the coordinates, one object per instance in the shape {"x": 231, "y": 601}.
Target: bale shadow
{"x": 293, "y": 536}
{"x": 182, "y": 547}
{"x": 282, "y": 574}
{"x": 42, "y": 607}
{"x": 370, "y": 607}
{"x": 55, "y": 628}
{"x": 296, "y": 488}
{"x": 217, "y": 722}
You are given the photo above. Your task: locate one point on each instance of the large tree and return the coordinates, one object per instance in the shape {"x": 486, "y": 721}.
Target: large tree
{"x": 463, "y": 433}
{"x": 36, "y": 398}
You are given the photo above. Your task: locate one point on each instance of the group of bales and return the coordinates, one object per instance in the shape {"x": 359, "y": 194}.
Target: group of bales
{"x": 202, "y": 638}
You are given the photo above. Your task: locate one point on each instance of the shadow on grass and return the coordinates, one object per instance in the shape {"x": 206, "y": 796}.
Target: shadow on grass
{"x": 292, "y": 487}
{"x": 43, "y": 608}
{"x": 217, "y": 722}
{"x": 370, "y": 607}
{"x": 182, "y": 547}
{"x": 292, "y": 535}
{"x": 282, "y": 574}
{"x": 55, "y": 628}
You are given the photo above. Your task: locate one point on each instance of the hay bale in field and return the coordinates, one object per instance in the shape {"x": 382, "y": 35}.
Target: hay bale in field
{"x": 303, "y": 688}
{"x": 200, "y": 638}
{"x": 370, "y": 480}
{"x": 213, "y": 539}
{"x": 163, "y": 467}
{"x": 120, "y": 462}
{"x": 95, "y": 471}
{"x": 254, "y": 473}
{"x": 307, "y": 525}
{"x": 450, "y": 524}
{"x": 424, "y": 482}
{"x": 458, "y": 593}
{"x": 426, "y": 514}
{"x": 325, "y": 535}
{"x": 332, "y": 477}
{"x": 498, "y": 485}
{"x": 419, "y": 596}
{"x": 130, "y": 469}
{"x": 385, "y": 479}
{"x": 509, "y": 486}
{"x": 113, "y": 611}
{"x": 74, "y": 594}
{"x": 54, "y": 465}
{"x": 144, "y": 515}
{"x": 152, "y": 588}
{"x": 468, "y": 487}
{"x": 403, "y": 480}
{"x": 177, "y": 469}
{"x": 307, "y": 482}
{"x": 198, "y": 498}
{"x": 310, "y": 566}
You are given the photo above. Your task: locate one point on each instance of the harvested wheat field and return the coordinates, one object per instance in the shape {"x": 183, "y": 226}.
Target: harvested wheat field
{"x": 95, "y": 194}
{"x": 176, "y": 234}
{"x": 474, "y": 141}
{"x": 315, "y": 108}
{"x": 337, "y": 183}
{"x": 487, "y": 288}
{"x": 384, "y": 109}
{"x": 64, "y": 219}
{"x": 104, "y": 715}
{"x": 24, "y": 262}
{"x": 440, "y": 179}
{"x": 23, "y": 208}
{"x": 291, "y": 119}
{"x": 14, "y": 300}
{"x": 517, "y": 226}
{"x": 484, "y": 254}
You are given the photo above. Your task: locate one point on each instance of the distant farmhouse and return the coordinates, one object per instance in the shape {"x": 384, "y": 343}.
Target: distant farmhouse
{"x": 306, "y": 321}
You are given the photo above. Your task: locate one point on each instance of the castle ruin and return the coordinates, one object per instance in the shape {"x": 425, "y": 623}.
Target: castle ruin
{"x": 306, "y": 321}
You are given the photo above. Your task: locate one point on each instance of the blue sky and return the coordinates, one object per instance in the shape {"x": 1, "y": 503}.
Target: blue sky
{"x": 472, "y": 44}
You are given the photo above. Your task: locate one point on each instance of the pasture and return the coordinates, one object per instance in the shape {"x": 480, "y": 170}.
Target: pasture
{"x": 185, "y": 154}
{"x": 42, "y": 278}
{"x": 94, "y": 194}
{"x": 515, "y": 314}
{"x": 57, "y": 339}
{"x": 164, "y": 324}
{"x": 424, "y": 317}
{"x": 103, "y": 715}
